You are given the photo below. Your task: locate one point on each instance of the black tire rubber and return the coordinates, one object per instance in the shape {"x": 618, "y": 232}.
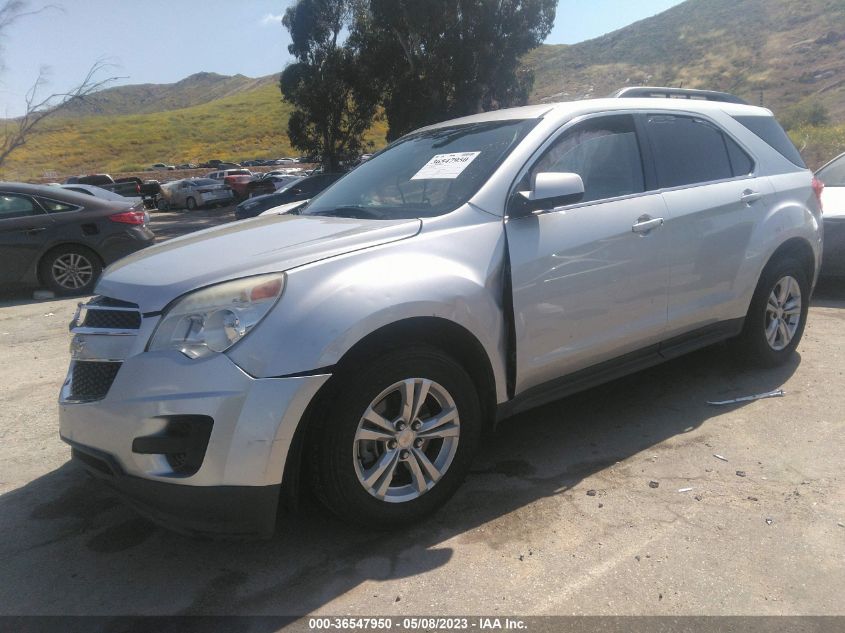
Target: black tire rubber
{"x": 190, "y": 204}
{"x": 45, "y": 269}
{"x": 331, "y": 441}
{"x": 752, "y": 345}
{"x": 162, "y": 205}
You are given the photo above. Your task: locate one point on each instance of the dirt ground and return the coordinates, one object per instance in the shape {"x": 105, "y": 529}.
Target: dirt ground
{"x": 559, "y": 515}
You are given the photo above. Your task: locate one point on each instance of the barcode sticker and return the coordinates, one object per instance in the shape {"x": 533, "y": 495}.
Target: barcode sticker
{"x": 447, "y": 166}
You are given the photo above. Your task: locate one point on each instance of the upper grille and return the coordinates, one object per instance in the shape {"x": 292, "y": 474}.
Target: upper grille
{"x": 91, "y": 380}
{"x": 112, "y": 319}
{"x": 105, "y": 313}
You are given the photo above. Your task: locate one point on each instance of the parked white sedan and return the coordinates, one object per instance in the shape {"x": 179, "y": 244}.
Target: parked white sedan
{"x": 192, "y": 193}
{"x": 833, "y": 202}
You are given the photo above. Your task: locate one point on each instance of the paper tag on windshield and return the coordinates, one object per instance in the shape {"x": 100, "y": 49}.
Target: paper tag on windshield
{"x": 445, "y": 166}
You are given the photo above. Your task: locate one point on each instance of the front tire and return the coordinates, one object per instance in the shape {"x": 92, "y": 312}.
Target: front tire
{"x": 777, "y": 314}
{"x": 70, "y": 270}
{"x": 191, "y": 204}
{"x": 398, "y": 438}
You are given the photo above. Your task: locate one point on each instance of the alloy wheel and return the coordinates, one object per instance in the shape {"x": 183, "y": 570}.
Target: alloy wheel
{"x": 72, "y": 271}
{"x": 783, "y": 313}
{"x": 406, "y": 440}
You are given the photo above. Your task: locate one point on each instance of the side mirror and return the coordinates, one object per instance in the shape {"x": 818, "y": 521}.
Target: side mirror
{"x": 550, "y": 189}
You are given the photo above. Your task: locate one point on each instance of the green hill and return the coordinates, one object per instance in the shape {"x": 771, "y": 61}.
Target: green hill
{"x": 787, "y": 54}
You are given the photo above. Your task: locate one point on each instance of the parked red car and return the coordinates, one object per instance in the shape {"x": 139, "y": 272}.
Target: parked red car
{"x": 239, "y": 184}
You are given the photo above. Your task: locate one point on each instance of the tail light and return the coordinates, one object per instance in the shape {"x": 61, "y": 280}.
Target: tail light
{"x": 137, "y": 188}
{"x": 818, "y": 187}
{"x": 129, "y": 217}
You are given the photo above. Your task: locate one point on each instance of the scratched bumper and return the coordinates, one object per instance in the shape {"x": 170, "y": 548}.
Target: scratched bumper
{"x": 253, "y": 419}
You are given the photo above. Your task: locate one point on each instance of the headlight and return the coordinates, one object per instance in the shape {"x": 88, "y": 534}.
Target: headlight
{"x": 215, "y": 318}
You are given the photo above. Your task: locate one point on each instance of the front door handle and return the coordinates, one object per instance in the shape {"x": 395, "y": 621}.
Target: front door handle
{"x": 748, "y": 196}
{"x": 36, "y": 230}
{"x": 645, "y": 224}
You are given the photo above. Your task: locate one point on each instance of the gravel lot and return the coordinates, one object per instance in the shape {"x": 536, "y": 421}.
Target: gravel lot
{"x": 557, "y": 517}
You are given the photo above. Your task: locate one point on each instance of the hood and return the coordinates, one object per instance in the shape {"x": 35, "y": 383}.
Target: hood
{"x": 153, "y": 277}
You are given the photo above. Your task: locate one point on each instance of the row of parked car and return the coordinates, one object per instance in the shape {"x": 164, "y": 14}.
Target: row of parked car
{"x": 221, "y": 164}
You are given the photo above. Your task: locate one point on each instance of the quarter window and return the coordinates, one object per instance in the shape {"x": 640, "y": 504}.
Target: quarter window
{"x": 55, "y": 207}
{"x": 687, "y": 150}
{"x": 604, "y": 152}
{"x": 14, "y": 206}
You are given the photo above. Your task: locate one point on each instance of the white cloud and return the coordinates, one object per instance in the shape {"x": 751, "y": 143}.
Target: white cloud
{"x": 271, "y": 18}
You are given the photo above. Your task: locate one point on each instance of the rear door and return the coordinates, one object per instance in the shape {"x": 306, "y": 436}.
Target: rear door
{"x": 24, "y": 229}
{"x": 589, "y": 279}
{"x": 713, "y": 199}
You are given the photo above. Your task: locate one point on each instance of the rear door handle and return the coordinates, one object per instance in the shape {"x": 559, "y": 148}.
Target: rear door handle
{"x": 645, "y": 224}
{"x": 36, "y": 230}
{"x": 748, "y": 196}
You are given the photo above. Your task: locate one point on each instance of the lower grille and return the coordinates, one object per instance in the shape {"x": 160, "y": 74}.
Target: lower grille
{"x": 91, "y": 380}
{"x": 112, "y": 319}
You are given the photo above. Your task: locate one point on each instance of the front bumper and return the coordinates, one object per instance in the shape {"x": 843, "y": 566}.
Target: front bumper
{"x": 230, "y": 511}
{"x": 253, "y": 424}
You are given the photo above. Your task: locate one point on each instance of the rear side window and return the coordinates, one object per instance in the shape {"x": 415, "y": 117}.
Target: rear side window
{"x": 604, "y": 151}
{"x": 14, "y": 206}
{"x": 772, "y": 133}
{"x": 687, "y": 150}
{"x": 53, "y": 206}
{"x": 741, "y": 163}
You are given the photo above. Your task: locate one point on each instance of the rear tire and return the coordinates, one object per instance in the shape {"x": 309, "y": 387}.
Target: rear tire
{"x": 70, "y": 270}
{"x": 191, "y": 204}
{"x": 423, "y": 459}
{"x": 777, "y": 315}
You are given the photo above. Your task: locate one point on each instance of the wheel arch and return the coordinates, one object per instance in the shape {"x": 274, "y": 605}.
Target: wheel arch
{"x": 800, "y": 249}
{"x": 443, "y": 334}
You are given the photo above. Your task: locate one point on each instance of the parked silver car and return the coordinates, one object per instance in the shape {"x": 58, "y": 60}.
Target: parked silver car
{"x": 193, "y": 193}
{"x": 471, "y": 270}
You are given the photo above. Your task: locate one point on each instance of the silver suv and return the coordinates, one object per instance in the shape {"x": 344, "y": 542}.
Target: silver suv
{"x": 365, "y": 341}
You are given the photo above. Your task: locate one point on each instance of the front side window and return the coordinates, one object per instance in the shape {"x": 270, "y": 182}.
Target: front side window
{"x": 604, "y": 151}
{"x": 687, "y": 150}
{"x": 425, "y": 174}
{"x": 15, "y": 206}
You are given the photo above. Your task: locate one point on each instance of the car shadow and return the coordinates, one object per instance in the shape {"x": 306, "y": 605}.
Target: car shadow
{"x": 72, "y": 547}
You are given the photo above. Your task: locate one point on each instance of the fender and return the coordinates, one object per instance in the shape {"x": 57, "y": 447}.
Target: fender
{"x": 330, "y": 305}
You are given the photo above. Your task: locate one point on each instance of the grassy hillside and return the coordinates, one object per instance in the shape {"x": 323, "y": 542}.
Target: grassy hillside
{"x": 250, "y": 124}
{"x": 788, "y": 51}
{"x": 148, "y": 98}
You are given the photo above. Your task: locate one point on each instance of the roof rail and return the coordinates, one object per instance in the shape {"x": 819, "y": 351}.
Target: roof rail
{"x": 635, "y": 92}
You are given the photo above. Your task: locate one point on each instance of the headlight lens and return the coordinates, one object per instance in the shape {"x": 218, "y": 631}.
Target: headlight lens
{"x": 213, "y": 319}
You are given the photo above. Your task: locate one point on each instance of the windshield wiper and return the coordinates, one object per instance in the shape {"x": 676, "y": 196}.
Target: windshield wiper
{"x": 351, "y": 211}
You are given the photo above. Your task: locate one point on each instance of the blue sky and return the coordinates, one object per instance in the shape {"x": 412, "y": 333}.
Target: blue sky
{"x": 162, "y": 41}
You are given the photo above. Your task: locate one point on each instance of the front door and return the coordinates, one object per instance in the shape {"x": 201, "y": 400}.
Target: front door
{"x": 589, "y": 280}
{"x": 24, "y": 229}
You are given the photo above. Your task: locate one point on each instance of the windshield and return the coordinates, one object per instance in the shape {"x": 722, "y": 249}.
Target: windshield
{"x": 422, "y": 175}
{"x": 203, "y": 181}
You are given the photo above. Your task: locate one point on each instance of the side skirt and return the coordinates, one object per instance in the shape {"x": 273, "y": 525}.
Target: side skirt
{"x": 619, "y": 367}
